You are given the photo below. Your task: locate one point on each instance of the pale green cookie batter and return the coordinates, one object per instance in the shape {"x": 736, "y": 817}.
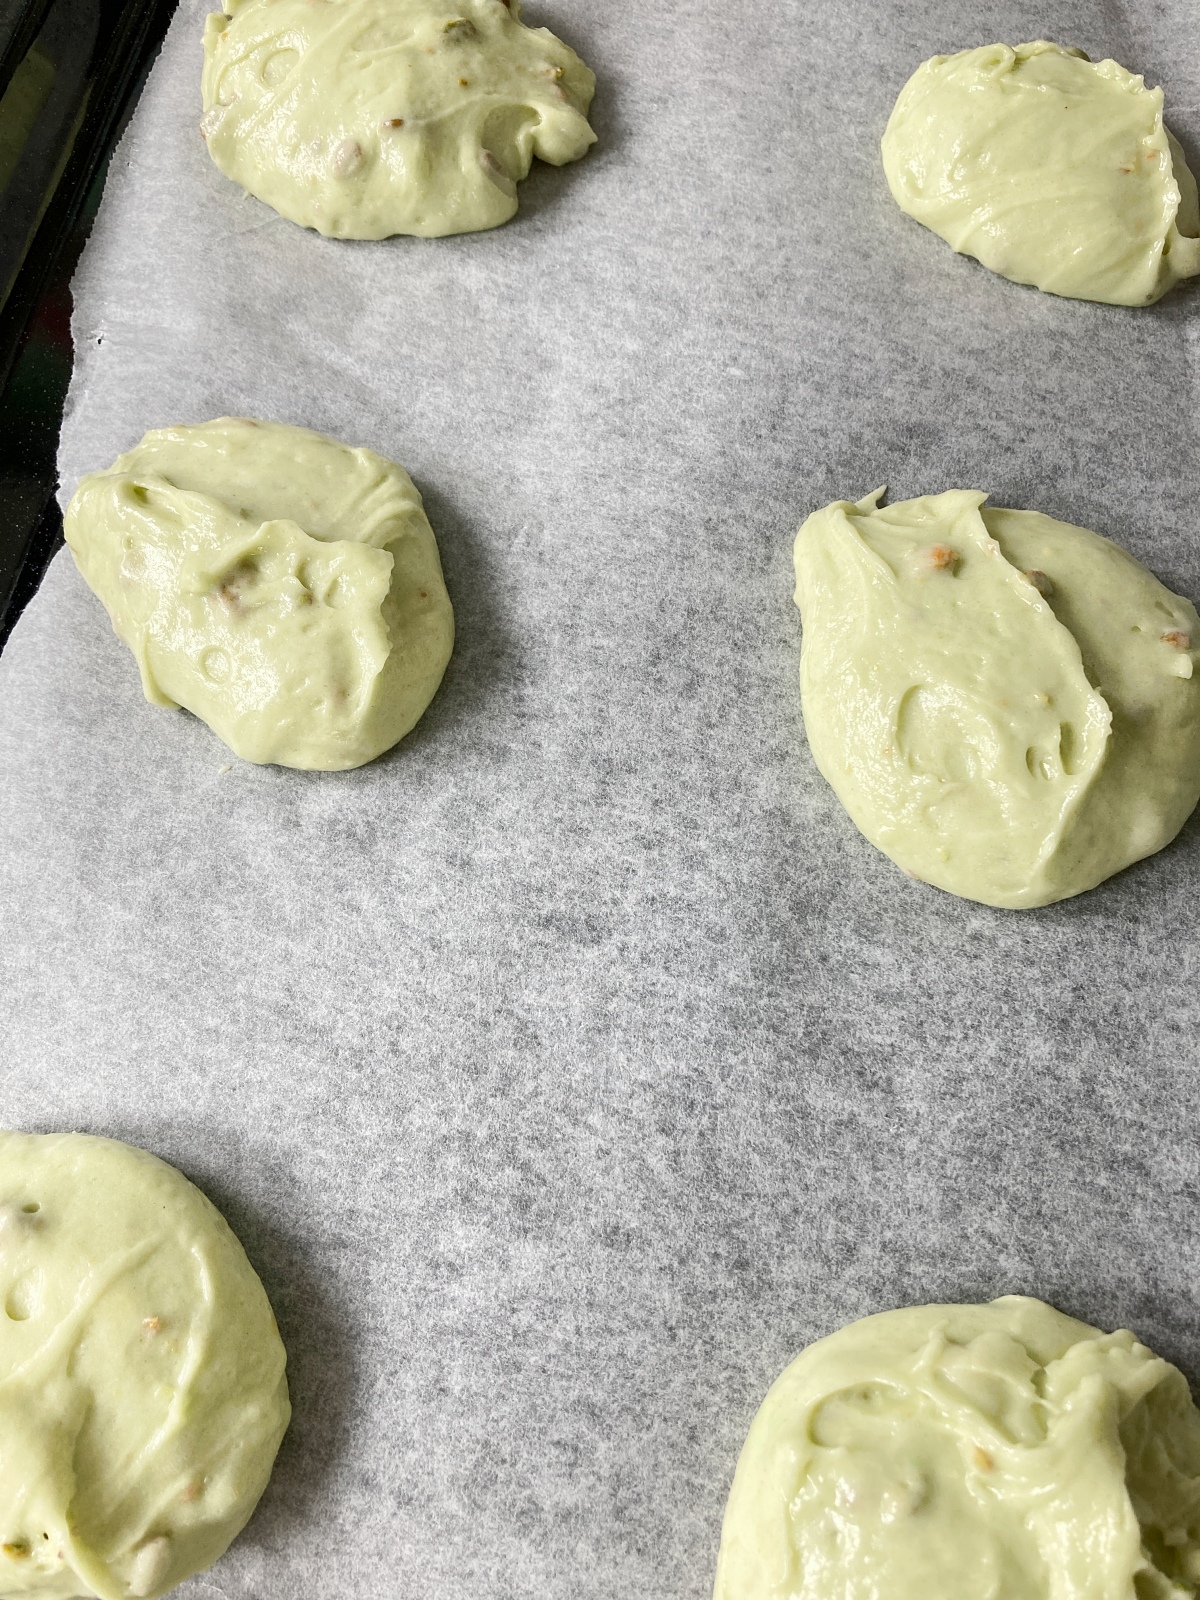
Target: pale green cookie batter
{"x": 282, "y": 586}
{"x": 1005, "y": 704}
{"x": 142, "y": 1389}
{"x": 1049, "y": 169}
{"x": 975, "y": 1452}
{"x": 363, "y": 118}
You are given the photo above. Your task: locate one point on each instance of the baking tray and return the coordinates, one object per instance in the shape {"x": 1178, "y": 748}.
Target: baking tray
{"x": 570, "y": 1067}
{"x": 91, "y": 57}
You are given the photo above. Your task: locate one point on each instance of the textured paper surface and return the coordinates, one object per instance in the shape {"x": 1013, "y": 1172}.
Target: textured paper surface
{"x": 569, "y": 1068}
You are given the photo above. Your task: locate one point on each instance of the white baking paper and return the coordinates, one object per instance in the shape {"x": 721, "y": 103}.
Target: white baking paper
{"x": 569, "y": 1068}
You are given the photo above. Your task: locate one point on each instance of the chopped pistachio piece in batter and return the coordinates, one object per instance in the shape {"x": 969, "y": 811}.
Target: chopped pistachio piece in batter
{"x": 968, "y": 1452}
{"x": 364, "y": 118}
{"x": 1005, "y": 704}
{"x": 142, "y": 1388}
{"x": 282, "y": 586}
{"x": 1048, "y": 168}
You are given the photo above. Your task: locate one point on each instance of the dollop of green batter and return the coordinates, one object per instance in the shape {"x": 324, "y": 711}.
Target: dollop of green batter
{"x": 1005, "y": 704}
{"x": 282, "y": 586}
{"x": 974, "y": 1452}
{"x": 364, "y": 118}
{"x": 142, "y": 1389}
{"x": 1049, "y": 169}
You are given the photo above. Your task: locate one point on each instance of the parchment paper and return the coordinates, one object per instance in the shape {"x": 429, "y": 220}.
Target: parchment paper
{"x": 568, "y": 1069}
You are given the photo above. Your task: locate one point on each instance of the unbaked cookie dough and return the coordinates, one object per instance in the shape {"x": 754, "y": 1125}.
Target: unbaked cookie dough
{"x": 973, "y": 1452}
{"x": 1048, "y": 168}
{"x": 282, "y": 586}
{"x": 1006, "y": 705}
{"x": 364, "y": 118}
{"x": 142, "y": 1388}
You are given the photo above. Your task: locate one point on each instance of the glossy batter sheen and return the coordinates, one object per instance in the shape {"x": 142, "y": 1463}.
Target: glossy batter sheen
{"x": 1049, "y": 169}
{"x": 142, "y": 1389}
{"x": 1005, "y": 704}
{"x": 994, "y": 1452}
{"x": 363, "y": 118}
{"x": 282, "y": 586}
